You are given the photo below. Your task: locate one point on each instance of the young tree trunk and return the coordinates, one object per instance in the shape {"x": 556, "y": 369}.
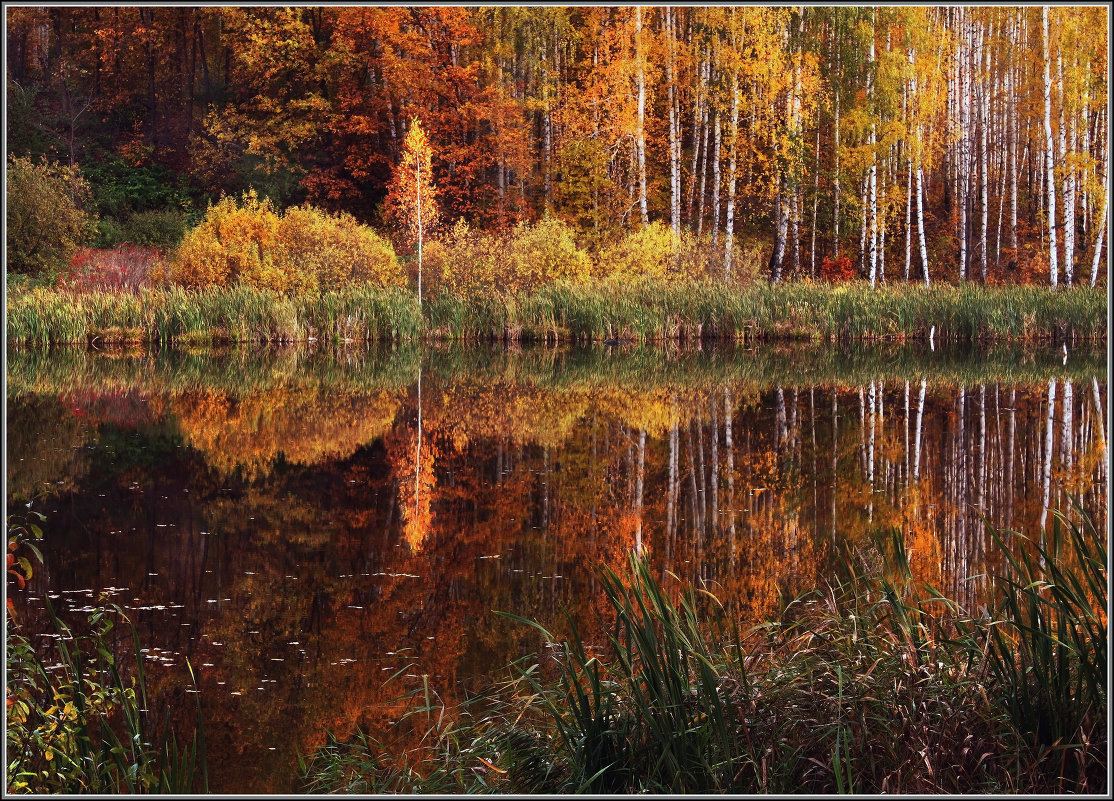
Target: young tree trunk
{"x": 864, "y": 226}
{"x": 781, "y": 222}
{"x": 835, "y": 182}
{"x": 641, "y": 134}
{"x": 716, "y": 182}
{"x": 983, "y": 59}
{"x": 1069, "y": 182}
{"x": 706, "y": 126}
{"x": 1050, "y": 178}
{"x": 964, "y": 170}
{"x": 698, "y": 112}
{"x": 1011, "y": 101}
{"x": 815, "y": 204}
{"x": 729, "y": 238}
{"x": 674, "y": 124}
{"x": 1100, "y": 237}
{"x": 908, "y": 217}
{"x": 920, "y": 224}
{"x": 872, "y": 173}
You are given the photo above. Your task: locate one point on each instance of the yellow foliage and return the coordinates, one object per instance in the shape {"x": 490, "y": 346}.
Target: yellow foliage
{"x": 337, "y": 249}
{"x": 649, "y": 252}
{"x": 301, "y": 251}
{"x": 546, "y": 252}
{"x": 467, "y": 261}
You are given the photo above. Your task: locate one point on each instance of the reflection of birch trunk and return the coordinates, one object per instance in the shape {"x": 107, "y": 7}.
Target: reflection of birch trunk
{"x": 728, "y": 408}
{"x": 639, "y": 481}
{"x": 418, "y": 454}
{"x": 862, "y": 430}
{"x": 981, "y": 466}
{"x": 835, "y": 458}
{"x": 1102, "y": 432}
{"x": 1046, "y": 478}
{"x": 907, "y": 430}
{"x": 917, "y": 434}
{"x": 715, "y": 468}
{"x": 871, "y": 438}
{"x": 1010, "y": 463}
{"x": 1066, "y": 425}
{"x": 702, "y": 475}
{"x": 671, "y": 495}
{"x": 959, "y": 460}
{"x": 815, "y": 472}
{"x": 697, "y": 523}
{"x": 794, "y": 427}
{"x": 779, "y": 418}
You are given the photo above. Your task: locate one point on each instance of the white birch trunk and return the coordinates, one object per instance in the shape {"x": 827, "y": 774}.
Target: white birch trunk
{"x": 716, "y": 183}
{"x": 729, "y": 237}
{"x": 920, "y": 224}
{"x": 641, "y": 83}
{"x": 1068, "y": 195}
{"x": 835, "y": 183}
{"x": 1100, "y": 238}
{"x": 984, "y": 156}
{"x": 1050, "y": 178}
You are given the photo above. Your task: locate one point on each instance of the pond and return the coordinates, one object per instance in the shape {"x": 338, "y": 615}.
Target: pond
{"x": 303, "y": 524}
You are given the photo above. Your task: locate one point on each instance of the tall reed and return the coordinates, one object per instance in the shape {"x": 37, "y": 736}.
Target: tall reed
{"x": 644, "y": 310}
{"x": 876, "y": 684}
{"x": 79, "y": 726}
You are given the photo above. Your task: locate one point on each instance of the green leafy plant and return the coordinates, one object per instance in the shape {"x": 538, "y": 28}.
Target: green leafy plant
{"x": 47, "y": 215}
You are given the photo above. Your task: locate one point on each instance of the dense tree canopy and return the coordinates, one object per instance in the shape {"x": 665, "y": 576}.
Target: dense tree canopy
{"x": 921, "y": 142}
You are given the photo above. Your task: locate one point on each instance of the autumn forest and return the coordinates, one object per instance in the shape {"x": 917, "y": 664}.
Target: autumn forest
{"x": 916, "y": 143}
{"x": 553, "y": 400}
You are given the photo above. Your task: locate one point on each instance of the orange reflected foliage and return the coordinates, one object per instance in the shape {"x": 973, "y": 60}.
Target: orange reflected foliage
{"x": 251, "y": 432}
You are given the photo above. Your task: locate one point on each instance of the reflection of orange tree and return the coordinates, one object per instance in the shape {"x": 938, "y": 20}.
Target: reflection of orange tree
{"x": 412, "y": 455}
{"x": 305, "y": 425}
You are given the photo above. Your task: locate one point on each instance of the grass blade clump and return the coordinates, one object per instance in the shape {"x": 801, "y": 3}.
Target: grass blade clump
{"x": 875, "y": 684}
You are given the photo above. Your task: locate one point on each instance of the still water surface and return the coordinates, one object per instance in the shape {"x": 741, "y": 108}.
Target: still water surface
{"x": 303, "y": 524}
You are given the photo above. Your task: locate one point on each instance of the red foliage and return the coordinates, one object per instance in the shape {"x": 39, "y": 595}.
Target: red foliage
{"x": 838, "y": 270}
{"x": 124, "y": 268}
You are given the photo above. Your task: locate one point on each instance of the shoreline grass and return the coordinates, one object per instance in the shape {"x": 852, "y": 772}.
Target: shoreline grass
{"x": 876, "y": 684}
{"x": 645, "y": 311}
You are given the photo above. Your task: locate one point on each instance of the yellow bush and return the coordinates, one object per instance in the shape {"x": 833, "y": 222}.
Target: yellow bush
{"x": 337, "y": 249}
{"x": 301, "y": 251}
{"x": 466, "y": 261}
{"x": 649, "y": 252}
{"x": 545, "y": 252}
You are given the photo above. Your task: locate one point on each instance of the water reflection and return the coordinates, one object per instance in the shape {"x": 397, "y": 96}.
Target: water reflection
{"x": 302, "y": 525}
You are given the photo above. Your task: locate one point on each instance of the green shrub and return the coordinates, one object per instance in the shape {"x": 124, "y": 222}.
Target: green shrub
{"x": 156, "y": 229}
{"x": 121, "y": 189}
{"x": 46, "y": 216}
{"x": 109, "y": 233}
